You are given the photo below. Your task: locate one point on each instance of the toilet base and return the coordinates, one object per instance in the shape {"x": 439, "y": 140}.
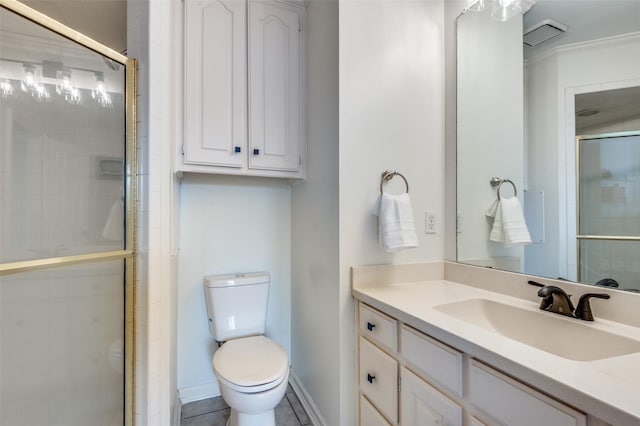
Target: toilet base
{"x": 268, "y": 418}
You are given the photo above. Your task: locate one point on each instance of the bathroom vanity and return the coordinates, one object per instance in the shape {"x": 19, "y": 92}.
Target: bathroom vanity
{"x": 450, "y": 344}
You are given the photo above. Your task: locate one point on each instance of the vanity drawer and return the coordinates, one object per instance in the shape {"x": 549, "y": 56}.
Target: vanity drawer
{"x": 437, "y": 361}
{"x": 513, "y": 403}
{"x": 379, "y": 379}
{"x": 378, "y": 327}
{"x": 369, "y": 416}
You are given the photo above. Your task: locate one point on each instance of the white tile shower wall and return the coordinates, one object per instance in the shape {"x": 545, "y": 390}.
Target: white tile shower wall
{"x": 55, "y": 202}
{"x": 150, "y": 23}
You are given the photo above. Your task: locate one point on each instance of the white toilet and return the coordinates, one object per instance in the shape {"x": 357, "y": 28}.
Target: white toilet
{"x": 251, "y": 369}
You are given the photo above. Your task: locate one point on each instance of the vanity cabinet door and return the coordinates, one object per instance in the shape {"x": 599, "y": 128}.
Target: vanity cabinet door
{"x": 512, "y": 403}
{"x": 275, "y": 93}
{"x": 439, "y": 363}
{"x": 423, "y": 405}
{"x": 369, "y": 416}
{"x": 379, "y": 379}
{"x": 475, "y": 422}
{"x": 215, "y": 75}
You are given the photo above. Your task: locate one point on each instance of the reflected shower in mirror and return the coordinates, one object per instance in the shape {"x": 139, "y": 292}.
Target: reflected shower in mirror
{"x": 523, "y": 103}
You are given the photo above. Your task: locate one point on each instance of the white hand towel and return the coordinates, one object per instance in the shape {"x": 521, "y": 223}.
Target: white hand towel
{"x": 114, "y": 228}
{"x": 509, "y": 225}
{"x": 396, "y": 228}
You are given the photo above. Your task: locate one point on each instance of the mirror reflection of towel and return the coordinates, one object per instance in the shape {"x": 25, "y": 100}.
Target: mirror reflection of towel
{"x": 509, "y": 226}
{"x": 114, "y": 228}
{"x": 396, "y": 228}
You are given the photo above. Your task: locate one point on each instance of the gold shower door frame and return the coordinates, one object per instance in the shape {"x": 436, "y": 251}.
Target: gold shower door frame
{"x": 585, "y": 237}
{"x": 130, "y": 178}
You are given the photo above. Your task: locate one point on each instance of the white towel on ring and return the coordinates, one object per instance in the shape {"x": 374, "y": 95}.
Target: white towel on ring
{"x": 396, "y": 228}
{"x": 509, "y": 225}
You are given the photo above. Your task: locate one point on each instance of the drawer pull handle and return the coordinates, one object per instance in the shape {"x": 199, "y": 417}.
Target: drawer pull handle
{"x": 256, "y": 151}
{"x": 370, "y": 326}
{"x": 370, "y": 378}
{"x": 237, "y": 149}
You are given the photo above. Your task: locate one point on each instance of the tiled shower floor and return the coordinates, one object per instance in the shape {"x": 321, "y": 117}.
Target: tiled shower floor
{"x": 214, "y": 412}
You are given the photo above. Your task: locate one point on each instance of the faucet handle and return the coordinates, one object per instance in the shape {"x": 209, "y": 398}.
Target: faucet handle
{"x": 583, "y": 311}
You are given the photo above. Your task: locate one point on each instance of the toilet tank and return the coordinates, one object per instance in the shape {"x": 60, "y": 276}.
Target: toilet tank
{"x": 236, "y": 304}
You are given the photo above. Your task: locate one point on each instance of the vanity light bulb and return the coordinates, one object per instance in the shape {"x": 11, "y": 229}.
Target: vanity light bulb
{"x": 478, "y": 5}
{"x": 6, "y": 87}
{"x": 65, "y": 89}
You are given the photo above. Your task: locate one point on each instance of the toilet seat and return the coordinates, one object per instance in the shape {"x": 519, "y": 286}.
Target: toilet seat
{"x": 251, "y": 364}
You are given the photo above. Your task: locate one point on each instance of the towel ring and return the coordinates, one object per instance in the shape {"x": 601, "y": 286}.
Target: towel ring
{"x": 515, "y": 191}
{"x": 387, "y": 175}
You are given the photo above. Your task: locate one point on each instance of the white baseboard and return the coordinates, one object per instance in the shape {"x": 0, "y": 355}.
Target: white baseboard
{"x": 306, "y": 401}
{"x": 176, "y": 412}
{"x": 197, "y": 393}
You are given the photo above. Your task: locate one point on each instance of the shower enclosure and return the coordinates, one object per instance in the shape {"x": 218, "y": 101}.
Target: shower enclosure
{"x": 609, "y": 207}
{"x": 67, "y": 215}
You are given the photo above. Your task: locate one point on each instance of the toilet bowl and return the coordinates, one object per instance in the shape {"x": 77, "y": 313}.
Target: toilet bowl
{"x": 252, "y": 373}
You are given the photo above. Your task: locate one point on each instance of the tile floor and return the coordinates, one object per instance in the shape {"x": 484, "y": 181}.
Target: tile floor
{"x": 214, "y": 412}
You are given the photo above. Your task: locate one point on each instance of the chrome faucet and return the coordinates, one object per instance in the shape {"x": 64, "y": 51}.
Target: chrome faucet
{"x": 556, "y": 300}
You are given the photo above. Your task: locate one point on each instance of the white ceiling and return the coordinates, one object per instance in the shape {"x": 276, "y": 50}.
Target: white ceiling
{"x": 102, "y": 20}
{"x": 591, "y": 20}
{"x": 587, "y": 20}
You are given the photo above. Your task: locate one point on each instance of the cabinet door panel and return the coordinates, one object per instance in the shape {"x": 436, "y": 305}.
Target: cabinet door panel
{"x": 215, "y": 83}
{"x": 423, "y": 405}
{"x": 369, "y": 416}
{"x": 379, "y": 379}
{"x": 275, "y": 70}
{"x": 512, "y": 403}
{"x": 437, "y": 361}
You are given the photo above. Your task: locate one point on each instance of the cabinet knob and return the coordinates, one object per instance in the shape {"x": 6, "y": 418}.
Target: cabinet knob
{"x": 237, "y": 149}
{"x": 256, "y": 151}
{"x": 370, "y": 326}
{"x": 370, "y": 378}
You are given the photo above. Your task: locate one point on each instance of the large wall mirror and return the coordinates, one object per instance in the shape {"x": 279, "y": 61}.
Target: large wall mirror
{"x": 548, "y": 141}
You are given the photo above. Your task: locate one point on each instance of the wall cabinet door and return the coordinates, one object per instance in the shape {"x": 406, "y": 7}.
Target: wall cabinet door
{"x": 215, "y": 83}
{"x": 275, "y": 71}
{"x": 423, "y": 405}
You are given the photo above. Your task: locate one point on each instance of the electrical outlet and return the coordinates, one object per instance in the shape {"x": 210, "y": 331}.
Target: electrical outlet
{"x": 429, "y": 223}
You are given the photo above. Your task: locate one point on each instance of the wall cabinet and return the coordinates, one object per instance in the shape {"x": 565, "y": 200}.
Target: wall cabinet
{"x": 436, "y": 384}
{"x": 243, "y": 90}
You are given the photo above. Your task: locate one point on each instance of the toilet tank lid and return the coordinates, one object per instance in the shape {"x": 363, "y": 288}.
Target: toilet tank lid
{"x": 230, "y": 280}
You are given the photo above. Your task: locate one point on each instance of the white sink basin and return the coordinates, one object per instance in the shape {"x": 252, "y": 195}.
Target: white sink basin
{"x": 562, "y": 336}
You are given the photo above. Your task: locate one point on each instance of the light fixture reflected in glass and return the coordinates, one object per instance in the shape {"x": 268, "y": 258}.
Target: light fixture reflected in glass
{"x": 6, "y": 88}
{"x": 65, "y": 89}
{"x": 503, "y": 10}
{"x": 100, "y": 92}
{"x": 31, "y": 85}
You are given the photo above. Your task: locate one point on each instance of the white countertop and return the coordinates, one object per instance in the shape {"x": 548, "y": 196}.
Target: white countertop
{"x": 607, "y": 388}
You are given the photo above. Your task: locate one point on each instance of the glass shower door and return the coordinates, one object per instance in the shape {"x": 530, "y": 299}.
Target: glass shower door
{"x": 66, "y": 226}
{"x": 608, "y": 209}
